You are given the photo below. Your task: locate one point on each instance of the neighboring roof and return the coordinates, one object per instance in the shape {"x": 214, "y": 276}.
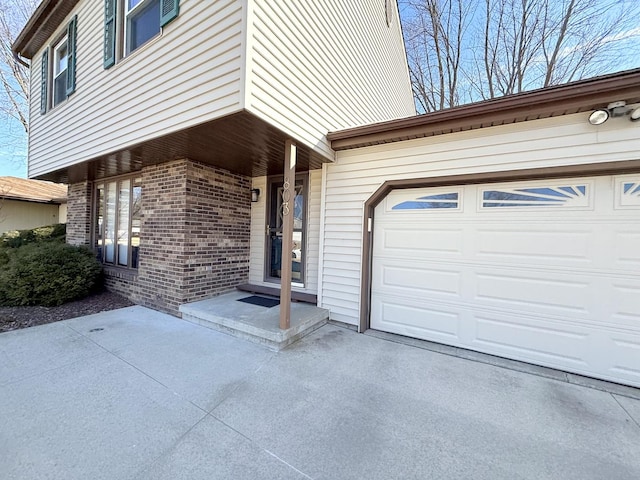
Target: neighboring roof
{"x": 41, "y": 26}
{"x": 13, "y": 188}
{"x": 575, "y": 97}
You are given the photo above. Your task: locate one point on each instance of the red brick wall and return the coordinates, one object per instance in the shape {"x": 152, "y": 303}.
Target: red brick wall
{"x": 79, "y": 213}
{"x": 194, "y": 236}
{"x": 195, "y": 233}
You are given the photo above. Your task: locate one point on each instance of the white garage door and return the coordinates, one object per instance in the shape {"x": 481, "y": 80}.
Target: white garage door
{"x": 547, "y": 272}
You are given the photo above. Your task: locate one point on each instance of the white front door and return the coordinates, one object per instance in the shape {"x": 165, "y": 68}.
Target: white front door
{"x": 546, "y": 272}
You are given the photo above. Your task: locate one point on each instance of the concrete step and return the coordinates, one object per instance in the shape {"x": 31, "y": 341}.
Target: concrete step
{"x": 255, "y": 323}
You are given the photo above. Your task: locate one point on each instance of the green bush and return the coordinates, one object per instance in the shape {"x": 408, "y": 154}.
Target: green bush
{"x": 18, "y": 238}
{"x": 47, "y": 273}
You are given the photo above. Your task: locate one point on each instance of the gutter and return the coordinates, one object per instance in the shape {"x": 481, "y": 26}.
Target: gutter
{"x": 17, "y": 58}
{"x": 550, "y": 101}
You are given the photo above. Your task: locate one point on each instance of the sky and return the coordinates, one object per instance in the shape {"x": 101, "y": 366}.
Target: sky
{"x": 13, "y": 158}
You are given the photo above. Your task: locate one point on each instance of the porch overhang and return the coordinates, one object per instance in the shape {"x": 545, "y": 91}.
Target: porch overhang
{"x": 241, "y": 143}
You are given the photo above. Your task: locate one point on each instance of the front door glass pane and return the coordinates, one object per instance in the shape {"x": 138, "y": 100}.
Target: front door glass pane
{"x": 275, "y": 232}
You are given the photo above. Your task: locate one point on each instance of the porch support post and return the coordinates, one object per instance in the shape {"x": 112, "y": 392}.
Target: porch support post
{"x": 288, "y": 199}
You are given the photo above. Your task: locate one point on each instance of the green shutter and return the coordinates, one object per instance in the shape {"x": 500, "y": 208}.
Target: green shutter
{"x": 44, "y": 77}
{"x": 109, "y": 33}
{"x": 72, "y": 29}
{"x": 169, "y": 11}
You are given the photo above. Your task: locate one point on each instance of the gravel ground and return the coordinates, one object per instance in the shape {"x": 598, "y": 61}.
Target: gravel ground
{"x": 12, "y": 318}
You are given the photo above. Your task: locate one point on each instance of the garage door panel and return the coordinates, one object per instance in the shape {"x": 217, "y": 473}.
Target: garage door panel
{"x": 626, "y": 310}
{"x": 405, "y": 276}
{"x": 627, "y": 249}
{"x": 550, "y": 292}
{"x": 434, "y": 241}
{"x": 523, "y": 244}
{"x": 540, "y": 341}
{"x": 552, "y": 280}
{"x": 417, "y": 321}
{"x": 625, "y": 352}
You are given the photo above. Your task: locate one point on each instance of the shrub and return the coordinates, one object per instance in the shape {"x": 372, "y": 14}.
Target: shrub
{"x": 47, "y": 273}
{"x": 18, "y": 238}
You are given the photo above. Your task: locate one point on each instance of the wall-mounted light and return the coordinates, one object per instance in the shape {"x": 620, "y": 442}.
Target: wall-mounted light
{"x": 255, "y": 194}
{"x": 614, "y": 109}
{"x": 598, "y": 117}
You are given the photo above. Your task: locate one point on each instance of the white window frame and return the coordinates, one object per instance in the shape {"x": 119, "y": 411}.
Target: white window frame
{"x": 99, "y": 234}
{"x": 63, "y": 42}
{"x": 128, "y": 13}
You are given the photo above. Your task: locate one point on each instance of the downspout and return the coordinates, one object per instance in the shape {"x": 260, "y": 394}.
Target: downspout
{"x": 17, "y": 58}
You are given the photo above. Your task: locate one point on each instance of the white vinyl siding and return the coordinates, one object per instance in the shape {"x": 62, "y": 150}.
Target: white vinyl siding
{"x": 320, "y": 65}
{"x": 358, "y": 173}
{"x": 258, "y": 237}
{"x": 188, "y": 75}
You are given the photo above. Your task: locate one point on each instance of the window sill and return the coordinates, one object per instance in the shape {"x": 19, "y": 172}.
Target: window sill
{"x": 124, "y": 273}
{"x": 125, "y": 59}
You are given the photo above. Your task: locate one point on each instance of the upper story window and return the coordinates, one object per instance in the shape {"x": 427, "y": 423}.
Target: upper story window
{"x": 129, "y": 24}
{"x": 142, "y": 22}
{"x": 58, "y": 69}
{"x": 60, "y": 64}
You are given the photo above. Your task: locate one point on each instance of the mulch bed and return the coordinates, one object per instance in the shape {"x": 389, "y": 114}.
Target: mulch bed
{"x": 13, "y": 318}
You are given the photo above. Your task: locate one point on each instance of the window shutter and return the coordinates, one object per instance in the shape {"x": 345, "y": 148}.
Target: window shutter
{"x": 109, "y": 33}
{"x": 44, "y": 77}
{"x": 72, "y": 29}
{"x": 170, "y": 10}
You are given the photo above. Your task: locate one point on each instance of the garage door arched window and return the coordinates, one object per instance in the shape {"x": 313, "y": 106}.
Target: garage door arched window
{"x": 439, "y": 201}
{"x": 536, "y": 196}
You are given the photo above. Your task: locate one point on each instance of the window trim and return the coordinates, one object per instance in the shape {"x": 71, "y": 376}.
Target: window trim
{"x": 55, "y": 48}
{"x": 49, "y": 65}
{"x": 98, "y": 231}
{"x": 116, "y": 14}
{"x": 132, "y": 13}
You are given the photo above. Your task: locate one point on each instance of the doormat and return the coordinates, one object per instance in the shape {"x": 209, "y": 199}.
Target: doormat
{"x": 261, "y": 301}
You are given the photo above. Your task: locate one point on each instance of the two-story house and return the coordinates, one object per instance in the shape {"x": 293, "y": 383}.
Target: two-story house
{"x": 164, "y": 116}
{"x": 508, "y": 227}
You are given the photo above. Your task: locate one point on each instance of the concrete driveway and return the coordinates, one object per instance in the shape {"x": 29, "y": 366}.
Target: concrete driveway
{"x": 136, "y": 394}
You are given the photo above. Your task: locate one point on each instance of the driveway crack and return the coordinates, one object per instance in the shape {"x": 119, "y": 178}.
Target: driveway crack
{"x": 625, "y": 410}
{"x": 140, "y": 370}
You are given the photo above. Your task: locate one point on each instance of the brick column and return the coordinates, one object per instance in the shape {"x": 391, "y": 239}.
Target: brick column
{"x": 79, "y": 213}
{"x": 195, "y": 233}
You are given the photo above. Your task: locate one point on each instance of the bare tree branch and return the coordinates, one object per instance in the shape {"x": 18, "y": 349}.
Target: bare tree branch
{"x": 468, "y": 50}
{"x": 14, "y": 78}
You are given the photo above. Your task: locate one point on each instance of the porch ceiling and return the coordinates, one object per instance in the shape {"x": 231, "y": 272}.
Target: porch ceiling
{"x": 241, "y": 143}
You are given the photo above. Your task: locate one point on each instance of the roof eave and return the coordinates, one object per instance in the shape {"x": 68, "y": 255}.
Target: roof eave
{"x": 553, "y": 101}
{"x": 42, "y": 24}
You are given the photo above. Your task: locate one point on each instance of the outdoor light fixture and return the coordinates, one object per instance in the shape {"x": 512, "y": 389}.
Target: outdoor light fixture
{"x": 255, "y": 193}
{"x": 615, "y": 109}
{"x": 598, "y": 117}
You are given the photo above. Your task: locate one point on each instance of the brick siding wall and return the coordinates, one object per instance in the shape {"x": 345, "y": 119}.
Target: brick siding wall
{"x": 79, "y": 213}
{"x": 195, "y": 233}
{"x": 194, "y": 239}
